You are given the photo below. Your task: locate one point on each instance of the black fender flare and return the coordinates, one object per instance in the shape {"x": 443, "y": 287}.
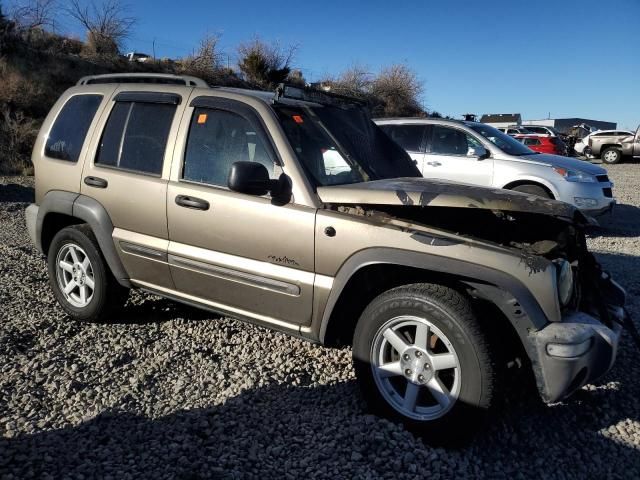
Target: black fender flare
{"x": 95, "y": 215}
{"x": 507, "y": 292}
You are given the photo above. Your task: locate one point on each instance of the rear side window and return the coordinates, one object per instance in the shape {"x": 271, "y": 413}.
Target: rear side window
{"x": 217, "y": 139}
{"x": 135, "y": 137}
{"x": 408, "y": 137}
{"x": 70, "y": 127}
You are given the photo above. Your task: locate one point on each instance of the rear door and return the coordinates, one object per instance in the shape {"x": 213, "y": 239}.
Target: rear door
{"x": 449, "y": 157}
{"x": 410, "y": 137}
{"x": 128, "y": 172}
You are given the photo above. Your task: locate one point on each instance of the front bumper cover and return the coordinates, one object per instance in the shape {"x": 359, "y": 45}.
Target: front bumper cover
{"x": 559, "y": 376}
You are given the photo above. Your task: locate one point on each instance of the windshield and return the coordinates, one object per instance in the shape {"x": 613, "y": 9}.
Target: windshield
{"x": 341, "y": 145}
{"x": 501, "y": 140}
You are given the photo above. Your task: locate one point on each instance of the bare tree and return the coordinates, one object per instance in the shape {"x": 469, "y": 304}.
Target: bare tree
{"x": 107, "y": 23}
{"x": 397, "y": 90}
{"x": 29, "y": 14}
{"x": 265, "y": 65}
{"x": 205, "y": 62}
{"x": 355, "y": 81}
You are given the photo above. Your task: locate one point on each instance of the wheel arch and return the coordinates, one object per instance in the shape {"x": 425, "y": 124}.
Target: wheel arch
{"x": 533, "y": 181}
{"x": 370, "y": 272}
{"x": 61, "y": 209}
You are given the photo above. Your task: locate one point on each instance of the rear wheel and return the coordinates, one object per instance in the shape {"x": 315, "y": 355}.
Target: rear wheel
{"x": 611, "y": 156}
{"x": 422, "y": 359}
{"x": 79, "y": 276}
{"x": 531, "y": 189}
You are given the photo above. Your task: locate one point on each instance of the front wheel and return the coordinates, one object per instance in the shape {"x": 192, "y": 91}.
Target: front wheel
{"x": 531, "y": 189}
{"x": 611, "y": 156}
{"x": 422, "y": 359}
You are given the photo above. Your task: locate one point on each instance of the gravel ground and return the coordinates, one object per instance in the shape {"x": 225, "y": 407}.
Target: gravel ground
{"x": 166, "y": 391}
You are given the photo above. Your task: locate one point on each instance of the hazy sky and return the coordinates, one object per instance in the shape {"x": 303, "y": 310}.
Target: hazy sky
{"x": 566, "y": 58}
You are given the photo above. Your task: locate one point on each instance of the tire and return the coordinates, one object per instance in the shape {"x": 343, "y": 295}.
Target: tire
{"x": 531, "y": 189}
{"x": 611, "y": 156}
{"x": 84, "y": 266}
{"x": 466, "y": 371}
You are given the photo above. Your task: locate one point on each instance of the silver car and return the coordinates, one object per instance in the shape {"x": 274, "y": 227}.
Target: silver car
{"x": 478, "y": 154}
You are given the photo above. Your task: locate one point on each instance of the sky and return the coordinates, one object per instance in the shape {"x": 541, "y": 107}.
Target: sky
{"x": 563, "y": 58}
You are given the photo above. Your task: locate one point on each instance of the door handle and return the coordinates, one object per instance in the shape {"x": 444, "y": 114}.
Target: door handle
{"x": 192, "y": 202}
{"x": 434, "y": 163}
{"x": 96, "y": 182}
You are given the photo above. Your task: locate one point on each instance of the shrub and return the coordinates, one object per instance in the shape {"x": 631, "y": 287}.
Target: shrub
{"x": 396, "y": 92}
{"x": 265, "y": 65}
{"x": 17, "y": 135}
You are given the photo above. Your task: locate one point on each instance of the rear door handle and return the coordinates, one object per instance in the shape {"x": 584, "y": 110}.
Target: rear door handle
{"x": 96, "y": 182}
{"x": 434, "y": 163}
{"x": 192, "y": 202}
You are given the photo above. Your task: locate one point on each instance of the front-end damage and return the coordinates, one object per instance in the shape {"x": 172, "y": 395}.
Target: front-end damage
{"x": 580, "y": 345}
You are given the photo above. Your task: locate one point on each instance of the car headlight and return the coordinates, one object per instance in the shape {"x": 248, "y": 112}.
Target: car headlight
{"x": 564, "y": 275}
{"x": 574, "y": 175}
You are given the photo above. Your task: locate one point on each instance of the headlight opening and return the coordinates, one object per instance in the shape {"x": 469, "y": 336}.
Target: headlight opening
{"x": 565, "y": 281}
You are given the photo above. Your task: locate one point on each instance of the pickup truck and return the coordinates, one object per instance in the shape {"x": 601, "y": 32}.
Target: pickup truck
{"x": 612, "y": 149}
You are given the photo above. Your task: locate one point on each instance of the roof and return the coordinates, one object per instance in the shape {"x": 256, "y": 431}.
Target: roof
{"x": 501, "y": 117}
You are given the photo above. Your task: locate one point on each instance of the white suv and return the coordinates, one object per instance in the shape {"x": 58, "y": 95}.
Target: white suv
{"x": 476, "y": 153}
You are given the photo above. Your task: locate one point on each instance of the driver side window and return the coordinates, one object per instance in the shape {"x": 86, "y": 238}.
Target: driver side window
{"x": 451, "y": 141}
{"x": 217, "y": 139}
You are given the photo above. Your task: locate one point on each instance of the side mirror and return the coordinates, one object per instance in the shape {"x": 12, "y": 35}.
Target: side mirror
{"x": 251, "y": 178}
{"x": 479, "y": 152}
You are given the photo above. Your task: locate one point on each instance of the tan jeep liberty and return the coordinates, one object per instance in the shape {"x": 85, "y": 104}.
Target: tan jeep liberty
{"x": 295, "y": 211}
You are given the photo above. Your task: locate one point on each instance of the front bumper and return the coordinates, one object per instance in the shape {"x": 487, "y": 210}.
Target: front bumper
{"x": 592, "y": 199}
{"x": 608, "y": 208}
{"x": 573, "y": 352}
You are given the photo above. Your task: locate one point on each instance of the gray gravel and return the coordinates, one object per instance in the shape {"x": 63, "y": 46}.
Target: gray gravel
{"x": 167, "y": 391}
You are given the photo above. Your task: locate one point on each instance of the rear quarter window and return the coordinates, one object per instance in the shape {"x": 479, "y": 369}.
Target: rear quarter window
{"x": 69, "y": 129}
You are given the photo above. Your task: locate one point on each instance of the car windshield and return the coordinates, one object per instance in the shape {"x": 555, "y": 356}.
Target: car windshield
{"x": 501, "y": 140}
{"x": 341, "y": 145}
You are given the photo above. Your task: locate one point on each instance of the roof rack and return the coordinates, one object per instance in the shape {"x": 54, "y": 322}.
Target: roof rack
{"x": 310, "y": 94}
{"x": 161, "y": 78}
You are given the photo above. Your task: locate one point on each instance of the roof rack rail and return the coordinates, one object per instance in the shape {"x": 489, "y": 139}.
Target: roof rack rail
{"x": 311, "y": 94}
{"x": 161, "y": 78}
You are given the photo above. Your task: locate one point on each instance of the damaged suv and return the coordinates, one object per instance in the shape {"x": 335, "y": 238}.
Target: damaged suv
{"x": 296, "y": 212}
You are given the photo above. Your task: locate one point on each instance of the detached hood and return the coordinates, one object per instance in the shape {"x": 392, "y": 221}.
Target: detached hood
{"x": 430, "y": 193}
{"x": 566, "y": 162}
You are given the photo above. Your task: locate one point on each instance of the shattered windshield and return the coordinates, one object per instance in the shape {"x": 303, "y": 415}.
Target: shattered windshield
{"x": 501, "y": 140}
{"x": 341, "y": 145}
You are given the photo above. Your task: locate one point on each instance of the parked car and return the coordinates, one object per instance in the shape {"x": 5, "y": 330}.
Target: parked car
{"x": 515, "y": 130}
{"x": 562, "y": 143}
{"x": 543, "y": 144}
{"x": 479, "y": 154}
{"x": 138, "y": 57}
{"x": 582, "y": 146}
{"x": 542, "y": 130}
{"x": 614, "y": 148}
{"x": 221, "y": 198}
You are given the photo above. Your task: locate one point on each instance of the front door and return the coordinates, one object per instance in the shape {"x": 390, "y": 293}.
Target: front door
{"x": 450, "y": 156}
{"x": 238, "y": 253}
{"x": 127, "y": 173}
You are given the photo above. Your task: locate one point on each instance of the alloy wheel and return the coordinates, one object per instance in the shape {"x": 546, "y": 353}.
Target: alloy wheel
{"x": 75, "y": 276}
{"x": 415, "y": 367}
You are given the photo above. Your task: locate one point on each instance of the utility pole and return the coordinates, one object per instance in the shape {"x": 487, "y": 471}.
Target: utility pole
{"x": 153, "y": 46}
